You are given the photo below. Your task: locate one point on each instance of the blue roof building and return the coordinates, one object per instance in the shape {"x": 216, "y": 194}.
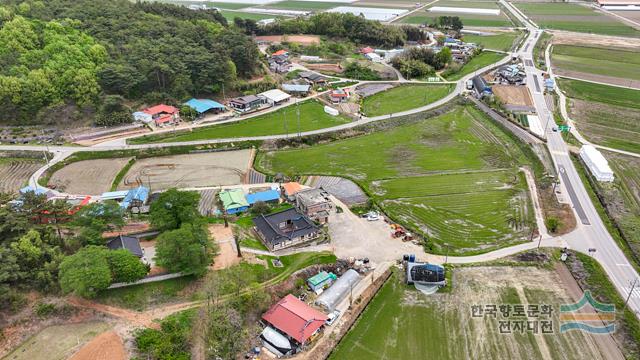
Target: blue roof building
{"x": 204, "y": 105}
{"x": 114, "y": 195}
{"x": 36, "y": 189}
{"x": 266, "y": 196}
{"x": 138, "y": 195}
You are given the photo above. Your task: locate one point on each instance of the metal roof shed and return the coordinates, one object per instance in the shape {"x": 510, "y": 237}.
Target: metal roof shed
{"x": 339, "y": 290}
{"x": 204, "y": 105}
{"x": 266, "y": 196}
{"x": 275, "y": 96}
{"x": 233, "y": 201}
{"x": 597, "y": 164}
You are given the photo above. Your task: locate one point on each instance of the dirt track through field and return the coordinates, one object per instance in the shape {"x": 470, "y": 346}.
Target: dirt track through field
{"x": 189, "y": 170}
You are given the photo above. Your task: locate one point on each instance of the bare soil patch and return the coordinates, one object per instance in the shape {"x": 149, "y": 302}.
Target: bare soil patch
{"x": 572, "y": 38}
{"x": 298, "y": 39}
{"x": 227, "y": 254}
{"x": 513, "y": 95}
{"x": 189, "y": 170}
{"x": 14, "y": 173}
{"x": 331, "y": 68}
{"x": 106, "y": 346}
{"x": 88, "y": 177}
{"x": 597, "y": 78}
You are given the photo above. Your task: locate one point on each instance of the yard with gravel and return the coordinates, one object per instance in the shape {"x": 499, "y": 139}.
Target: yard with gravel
{"x": 453, "y": 179}
{"x": 403, "y": 323}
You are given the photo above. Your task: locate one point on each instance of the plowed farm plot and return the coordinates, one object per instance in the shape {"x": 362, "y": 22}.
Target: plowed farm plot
{"x": 453, "y": 179}
{"x": 15, "y": 172}
{"x": 513, "y": 95}
{"x": 403, "y": 323}
{"x": 87, "y": 177}
{"x": 189, "y": 170}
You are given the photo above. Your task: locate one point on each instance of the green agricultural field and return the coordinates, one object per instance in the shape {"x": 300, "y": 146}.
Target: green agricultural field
{"x": 302, "y": 5}
{"x": 600, "y": 61}
{"x": 401, "y": 98}
{"x": 501, "y": 20}
{"x": 402, "y": 323}
{"x": 502, "y": 41}
{"x": 575, "y": 17}
{"x": 477, "y": 62}
{"x": 605, "y": 115}
{"x": 282, "y": 121}
{"x": 453, "y": 178}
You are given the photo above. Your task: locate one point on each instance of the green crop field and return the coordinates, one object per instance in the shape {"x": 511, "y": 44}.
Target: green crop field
{"x": 477, "y": 62}
{"x": 605, "y": 115}
{"x": 402, "y": 323}
{"x": 452, "y": 178}
{"x": 599, "y": 61}
{"x": 575, "y": 17}
{"x": 401, "y": 98}
{"x": 282, "y": 121}
{"x": 302, "y": 5}
{"x": 502, "y": 42}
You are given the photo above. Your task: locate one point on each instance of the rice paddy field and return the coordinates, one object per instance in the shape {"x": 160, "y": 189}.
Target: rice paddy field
{"x": 574, "y": 17}
{"x": 452, "y": 178}
{"x": 605, "y": 115}
{"x": 403, "y": 323}
{"x": 405, "y": 97}
{"x": 500, "y": 41}
{"x": 478, "y": 20}
{"x": 596, "y": 60}
{"x": 281, "y": 121}
{"x": 477, "y": 62}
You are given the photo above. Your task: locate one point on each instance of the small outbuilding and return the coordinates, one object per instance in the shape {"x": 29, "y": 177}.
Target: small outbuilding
{"x": 339, "y": 96}
{"x": 202, "y": 106}
{"x": 275, "y": 96}
{"x": 135, "y": 198}
{"x": 597, "y": 164}
{"x": 132, "y": 244}
{"x": 321, "y": 280}
{"x": 373, "y": 57}
{"x": 233, "y": 201}
{"x": 332, "y": 297}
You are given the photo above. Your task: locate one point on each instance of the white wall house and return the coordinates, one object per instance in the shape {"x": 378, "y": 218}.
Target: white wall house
{"x": 597, "y": 164}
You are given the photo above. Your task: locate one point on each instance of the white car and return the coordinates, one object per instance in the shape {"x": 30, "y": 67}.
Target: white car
{"x": 372, "y": 216}
{"x": 332, "y": 317}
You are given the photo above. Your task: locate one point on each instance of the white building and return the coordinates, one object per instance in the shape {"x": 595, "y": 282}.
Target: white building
{"x": 597, "y": 164}
{"x": 275, "y": 96}
{"x": 373, "y": 57}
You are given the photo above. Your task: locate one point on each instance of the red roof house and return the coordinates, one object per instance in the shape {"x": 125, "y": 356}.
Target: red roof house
{"x": 339, "y": 95}
{"x": 280, "y": 53}
{"x": 163, "y": 114}
{"x": 295, "y": 318}
{"x": 366, "y": 50}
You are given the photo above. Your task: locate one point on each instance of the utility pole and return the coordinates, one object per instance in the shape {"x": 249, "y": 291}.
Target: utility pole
{"x": 539, "y": 241}
{"x": 633, "y": 286}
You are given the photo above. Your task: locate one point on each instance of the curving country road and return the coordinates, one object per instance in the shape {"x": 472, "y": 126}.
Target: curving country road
{"x": 590, "y": 232}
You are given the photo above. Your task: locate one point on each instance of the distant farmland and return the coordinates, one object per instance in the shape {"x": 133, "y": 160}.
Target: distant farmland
{"x": 479, "y": 20}
{"x": 597, "y": 63}
{"x": 500, "y": 41}
{"x": 574, "y": 17}
{"x": 453, "y": 178}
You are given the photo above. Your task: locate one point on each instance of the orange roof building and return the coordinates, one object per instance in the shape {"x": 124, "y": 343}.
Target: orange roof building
{"x": 290, "y": 189}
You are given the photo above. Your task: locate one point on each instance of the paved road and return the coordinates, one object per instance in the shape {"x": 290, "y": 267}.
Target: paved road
{"x": 590, "y": 232}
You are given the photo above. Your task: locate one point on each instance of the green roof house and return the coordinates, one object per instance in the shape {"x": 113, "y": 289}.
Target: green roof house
{"x": 320, "y": 280}
{"x": 233, "y": 201}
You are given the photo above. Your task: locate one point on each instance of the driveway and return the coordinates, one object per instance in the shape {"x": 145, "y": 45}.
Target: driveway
{"x": 352, "y": 236}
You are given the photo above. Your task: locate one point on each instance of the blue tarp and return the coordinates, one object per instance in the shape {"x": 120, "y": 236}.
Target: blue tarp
{"x": 203, "y": 105}
{"x": 266, "y": 196}
{"x": 138, "y": 194}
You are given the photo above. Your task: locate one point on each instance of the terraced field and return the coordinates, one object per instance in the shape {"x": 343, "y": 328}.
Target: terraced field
{"x": 452, "y": 178}
{"x": 574, "y": 17}
{"x": 15, "y": 172}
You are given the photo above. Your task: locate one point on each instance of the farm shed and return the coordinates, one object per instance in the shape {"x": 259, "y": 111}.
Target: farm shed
{"x": 373, "y": 57}
{"x": 320, "y": 280}
{"x": 295, "y": 319}
{"x": 597, "y": 164}
{"x": 126, "y": 242}
{"x": 135, "y": 197}
{"x": 481, "y": 87}
{"x": 233, "y": 201}
{"x": 290, "y": 189}
{"x": 296, "y": 89}
{"x": 203, "y": 105}
{"x": 275, "y": 96}
{"x": 247, "y": 103}
{"x": 331, "y": 297}
{"x": 284, "y": 229}
{"x": 268, "y": 196}
{"x": 314, "y": 203}
{"x": 114, "y": 195}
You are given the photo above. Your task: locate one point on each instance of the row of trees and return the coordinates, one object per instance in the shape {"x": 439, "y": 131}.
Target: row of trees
{"x": 75, "y": 52}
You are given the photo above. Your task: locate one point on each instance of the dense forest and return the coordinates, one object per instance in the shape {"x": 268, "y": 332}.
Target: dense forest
{"x": 61, "y": 59}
